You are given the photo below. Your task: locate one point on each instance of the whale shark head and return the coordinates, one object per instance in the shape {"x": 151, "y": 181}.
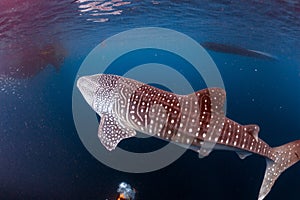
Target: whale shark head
{"x": 99, "y": 91}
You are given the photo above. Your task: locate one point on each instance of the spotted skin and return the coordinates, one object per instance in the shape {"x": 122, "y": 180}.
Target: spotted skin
{"x": 196, "y": 121}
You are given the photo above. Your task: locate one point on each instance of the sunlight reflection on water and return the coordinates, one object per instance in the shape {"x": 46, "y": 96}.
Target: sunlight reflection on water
{"x": 101, "y": 8}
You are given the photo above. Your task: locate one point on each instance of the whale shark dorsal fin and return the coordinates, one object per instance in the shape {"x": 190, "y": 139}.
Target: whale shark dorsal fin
{"x": 252, "y": 129}
{"x": 211, "y": 99}
{"x": 111, "y": 131}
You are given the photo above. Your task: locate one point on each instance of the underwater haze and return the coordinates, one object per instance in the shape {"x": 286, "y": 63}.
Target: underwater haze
{"x": 42, "y": 46}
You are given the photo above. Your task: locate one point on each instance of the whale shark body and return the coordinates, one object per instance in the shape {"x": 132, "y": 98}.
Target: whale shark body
{"x": 196, "y": 121}
{"x": 235, "y": 50}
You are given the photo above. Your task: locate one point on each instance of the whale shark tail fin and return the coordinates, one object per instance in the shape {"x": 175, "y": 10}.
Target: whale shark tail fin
{"x": 284, "y": 157}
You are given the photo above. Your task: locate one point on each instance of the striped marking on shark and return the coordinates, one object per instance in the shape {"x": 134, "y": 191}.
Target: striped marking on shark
{"x": 196, "y": 121}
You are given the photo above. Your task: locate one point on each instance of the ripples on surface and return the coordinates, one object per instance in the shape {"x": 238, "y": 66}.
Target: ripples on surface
{"x": 270, "y": 26}
{"x": 29, "y": 25}
{"x": 100, "y": 9}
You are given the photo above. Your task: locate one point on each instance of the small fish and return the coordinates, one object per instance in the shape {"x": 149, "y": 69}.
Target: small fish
{"x": 231, "y": 49}
{"x": 196, "y": 121}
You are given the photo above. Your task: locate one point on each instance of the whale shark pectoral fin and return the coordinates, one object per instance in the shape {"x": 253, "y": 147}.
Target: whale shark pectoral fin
{"x": 111, "y": 131}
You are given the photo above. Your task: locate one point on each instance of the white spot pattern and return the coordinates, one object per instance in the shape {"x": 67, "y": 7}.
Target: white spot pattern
{"x": 193, "y": 119}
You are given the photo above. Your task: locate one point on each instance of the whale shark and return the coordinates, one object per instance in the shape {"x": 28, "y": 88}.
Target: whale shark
{"x": 231, "y": 49}
{"x": 196, "y": 121}
{"x": 27, "y": 63}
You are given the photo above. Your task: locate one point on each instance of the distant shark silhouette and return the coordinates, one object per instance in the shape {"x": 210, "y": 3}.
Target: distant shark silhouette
{"x": 31, "y": 61}
{"x": 196, "y": 121}
{"x": 231, "y": 49}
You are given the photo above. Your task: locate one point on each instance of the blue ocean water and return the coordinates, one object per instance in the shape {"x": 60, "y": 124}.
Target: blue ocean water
{"x": 41, "y": 155}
